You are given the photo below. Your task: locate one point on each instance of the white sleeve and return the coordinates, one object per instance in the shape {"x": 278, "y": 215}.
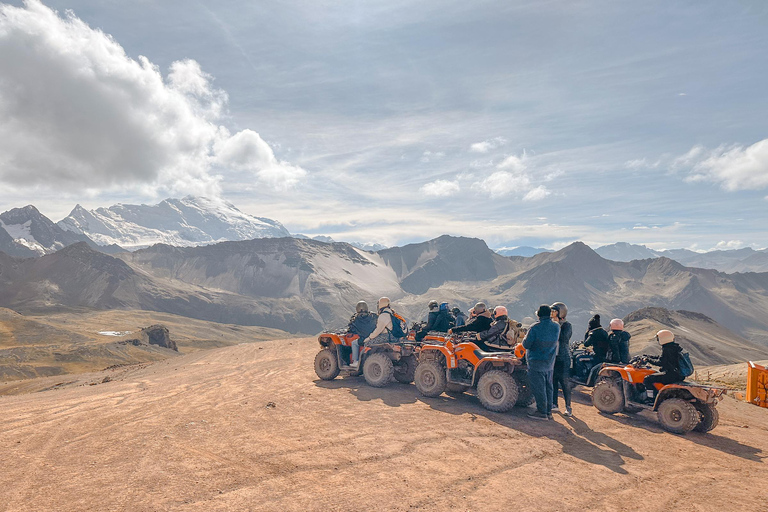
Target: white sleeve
{"x": 384, "y": 322}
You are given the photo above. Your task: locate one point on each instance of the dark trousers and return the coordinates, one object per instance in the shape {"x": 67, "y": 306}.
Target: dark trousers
{"x": 560, "y": 380}
{"x": 541, "y": 385}
{"x": 662, "y": 377}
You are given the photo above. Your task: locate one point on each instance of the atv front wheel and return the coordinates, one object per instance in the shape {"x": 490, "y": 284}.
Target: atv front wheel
{"x": 608, "y": 397}
{"x": 405, "y": 371}
{"x": 678, "y": 416}
{"x": 378, "y": 370}
{"x": 524, "y": 392}
{"x": 709, "y": 417}
{"x": 430, "y": 378}
{"x": 497, "y": 391}
{"x": 327, "y": 364}
{"x": 455, "y": 389}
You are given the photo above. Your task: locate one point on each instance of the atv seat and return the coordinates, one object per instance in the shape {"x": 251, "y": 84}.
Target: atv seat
{"x": 481, "y": 354}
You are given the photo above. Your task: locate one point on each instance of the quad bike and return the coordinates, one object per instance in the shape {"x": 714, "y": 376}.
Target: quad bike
{"x": 582, "y": 361}
{"x": 681, "y": 407}
{"x": 431, "y": 335}
{"x": 379, "y": 364}
{"x": 458, "y": 364}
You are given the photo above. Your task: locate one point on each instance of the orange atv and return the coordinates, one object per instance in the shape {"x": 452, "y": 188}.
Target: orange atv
{"x": 681, "y": 407}
{"x": 379, "y": 364}
{"x": 458, "y": 364}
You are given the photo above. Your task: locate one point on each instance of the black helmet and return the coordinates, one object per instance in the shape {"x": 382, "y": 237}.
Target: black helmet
{"x": 361, "y": 306}
{"x": 455, "y": 311}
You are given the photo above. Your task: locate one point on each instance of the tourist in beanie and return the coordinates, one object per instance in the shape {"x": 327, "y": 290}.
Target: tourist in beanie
{"x": 541, "y": 348}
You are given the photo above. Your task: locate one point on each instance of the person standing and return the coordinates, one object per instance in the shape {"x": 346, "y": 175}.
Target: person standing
{"x": 562, "y": 372}
{"x": 541, "y": 349}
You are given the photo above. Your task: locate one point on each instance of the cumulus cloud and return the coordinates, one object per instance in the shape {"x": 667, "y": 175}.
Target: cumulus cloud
{"x": 512, "y": 178}
{"x": 76, "y": 112}
{"x": 441, "y": 188}
{"x": 735, "y": 168}
{"x": 729, "y": 245}
{"x": 487, "y": 145}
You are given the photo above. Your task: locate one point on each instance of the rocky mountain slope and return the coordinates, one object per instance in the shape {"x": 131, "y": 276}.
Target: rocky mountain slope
{"x": 182, "y": 222}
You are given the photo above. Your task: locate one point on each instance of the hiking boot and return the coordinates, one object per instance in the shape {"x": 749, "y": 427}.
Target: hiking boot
{"x": 550, "y": 417}
{"x": 536, "y": 415}
{"x": 568, "y": 411}
{"x": 555, "y": 408}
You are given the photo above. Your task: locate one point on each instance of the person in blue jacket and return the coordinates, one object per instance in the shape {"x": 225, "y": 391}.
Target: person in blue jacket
{"x": 541, "y": 348}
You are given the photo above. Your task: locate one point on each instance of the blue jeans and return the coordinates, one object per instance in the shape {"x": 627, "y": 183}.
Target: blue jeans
{"x": 541, "y": 385}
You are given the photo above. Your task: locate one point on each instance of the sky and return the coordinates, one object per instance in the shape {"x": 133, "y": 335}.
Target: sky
{"x": 523, "y": 123}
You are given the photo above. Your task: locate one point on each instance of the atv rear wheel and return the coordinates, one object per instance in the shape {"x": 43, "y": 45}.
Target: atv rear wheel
{"x": 678, "y": 416}
{"x": 430, "y": 378}
{"x": 378, "y": 370}
{"x": 327, "y": 364}
{"x": 497, "y": 391}
{"x": 709, "y": 417}
{"x": 608, "y": 397}
{"x": 405, "y": 371}
{"x": 524, "y": 392}
{"x": 455, "y": 389}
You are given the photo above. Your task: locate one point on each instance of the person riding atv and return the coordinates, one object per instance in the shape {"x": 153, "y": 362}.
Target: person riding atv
{"x": 681, "y": 406}
{"x": 439, "y": 319}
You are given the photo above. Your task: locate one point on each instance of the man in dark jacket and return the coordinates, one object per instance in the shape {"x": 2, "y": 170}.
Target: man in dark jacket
{"x": 439, "y": 319}
{"x": 480, "y": 321}
{"x": 496, "y": 333}
{"x": 597, "y": 338}
{"x": 669, "y": 363}
{"x": 541, "y": 348}
{"x": 618, "y": 342}
{"x": 562, "y": 372}
{"x": 363, "y": 322}
{"x": 460, "y": 317}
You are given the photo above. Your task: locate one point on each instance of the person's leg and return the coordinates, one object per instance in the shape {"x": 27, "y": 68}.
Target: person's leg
{"x": 556, "y": 381}
{"x": 549, "y": 392}
{"x": 538, "y": 383}
{"x": 355, "y": 352}
{"x": 565, "y": 379}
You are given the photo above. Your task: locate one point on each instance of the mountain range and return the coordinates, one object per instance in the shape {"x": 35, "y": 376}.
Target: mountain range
{"x": 735, "y": 260}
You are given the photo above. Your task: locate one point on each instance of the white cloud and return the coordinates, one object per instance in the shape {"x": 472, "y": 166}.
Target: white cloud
{"x": 537, "y": 194}
{"x": 730, "y": 244}
{"x": 431, "y": 155}
{"x": 487, "y": 145}
{"x": 513, "y": 178}
{"x": 735, "y": 168}
{"x": 441, "y": 188}
{"x": 76, "y": 112}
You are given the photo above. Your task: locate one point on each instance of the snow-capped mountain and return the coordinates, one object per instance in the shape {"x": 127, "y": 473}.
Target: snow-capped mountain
{"x": 26, "y": 233}
{"x": 524, "y": 251}
{"x": 186, "y": 222}
{"x": 622, "y": 251}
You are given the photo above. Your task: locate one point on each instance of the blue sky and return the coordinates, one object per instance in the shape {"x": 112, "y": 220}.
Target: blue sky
{"x": 523, "y": 123}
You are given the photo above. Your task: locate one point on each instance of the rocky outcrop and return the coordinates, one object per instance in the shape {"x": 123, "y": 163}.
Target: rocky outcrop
{"x": 159, "y": 335}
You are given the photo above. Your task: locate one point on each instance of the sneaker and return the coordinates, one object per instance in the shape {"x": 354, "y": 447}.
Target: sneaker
{"x": 555, "y": 408}
{"x": 568, "y": 412}
{"x": 550, "y": 417}
{"x": 536, "y": 415}
{"x": 354, "y": 365}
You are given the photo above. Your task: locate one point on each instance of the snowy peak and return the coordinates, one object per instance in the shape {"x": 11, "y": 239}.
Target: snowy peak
{"x": 185, "y": 222}
{"x": 27, "y": 233}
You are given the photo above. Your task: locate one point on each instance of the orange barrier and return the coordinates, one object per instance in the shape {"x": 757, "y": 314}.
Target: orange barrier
{"x": 757, "y": 385}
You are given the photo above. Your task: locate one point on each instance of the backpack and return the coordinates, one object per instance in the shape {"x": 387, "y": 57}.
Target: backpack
{"x": 399, "y": 325}
{"x": 684, "y": 362}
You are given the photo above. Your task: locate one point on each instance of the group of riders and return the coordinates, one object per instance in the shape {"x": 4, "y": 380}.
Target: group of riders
{"x": 547, "y": 343}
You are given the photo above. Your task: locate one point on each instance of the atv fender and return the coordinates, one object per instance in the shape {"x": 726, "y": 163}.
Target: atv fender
{"x": 690, "y": 392}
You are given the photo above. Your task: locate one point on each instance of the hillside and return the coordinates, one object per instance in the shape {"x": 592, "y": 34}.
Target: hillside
{"x": 72, "y": 343}
{"x": 249, "y": 427}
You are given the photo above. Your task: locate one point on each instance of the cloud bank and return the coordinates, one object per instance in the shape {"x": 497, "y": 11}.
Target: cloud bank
{"x": 77, "y": 113}
{"x": 735, "y": 168}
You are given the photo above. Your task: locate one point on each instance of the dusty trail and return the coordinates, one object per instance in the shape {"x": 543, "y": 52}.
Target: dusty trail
{"x": 195, "y": 433}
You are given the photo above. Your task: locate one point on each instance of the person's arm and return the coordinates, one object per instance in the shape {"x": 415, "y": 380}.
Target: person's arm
{"x": 493, "y": 330}
{"x": 381, "y": 324}
{"x": 589, "y": 341}
{"x": 566, "y": 331}
{"x": 467, "y": 327}
{"x": 530, "y": 338}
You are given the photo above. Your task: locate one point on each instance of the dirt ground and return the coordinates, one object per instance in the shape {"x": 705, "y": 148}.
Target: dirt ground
{"x": 249, "y": 427}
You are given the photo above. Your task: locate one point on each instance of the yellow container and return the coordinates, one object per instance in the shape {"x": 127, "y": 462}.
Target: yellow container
{"x": 757, "y": 384}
